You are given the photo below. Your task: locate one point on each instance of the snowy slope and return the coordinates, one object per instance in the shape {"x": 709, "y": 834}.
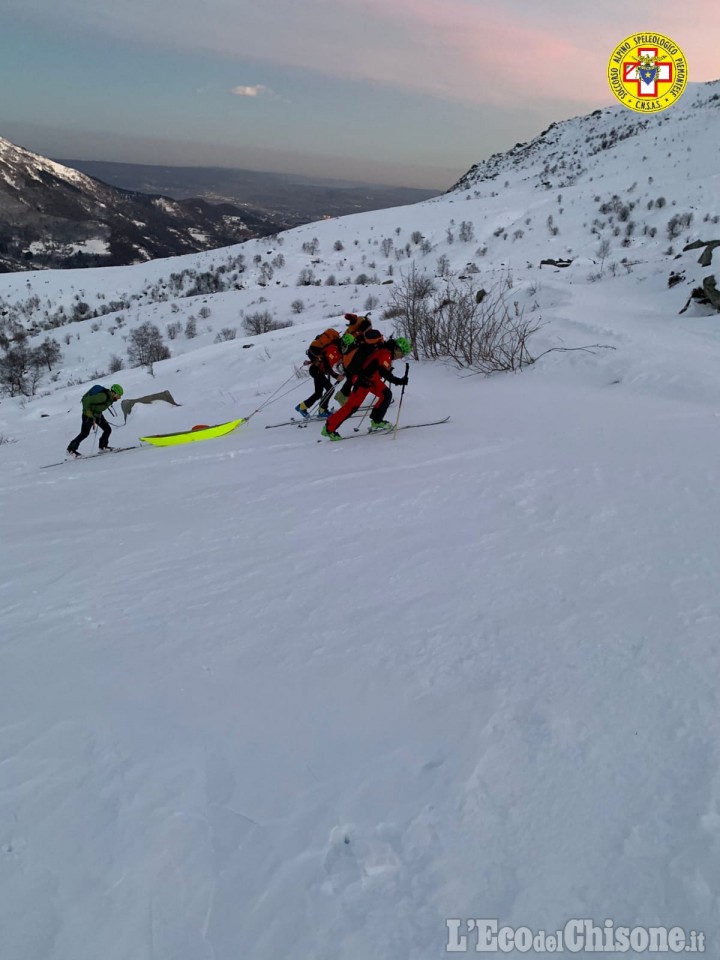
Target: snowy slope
{"x": 264, "y": 697}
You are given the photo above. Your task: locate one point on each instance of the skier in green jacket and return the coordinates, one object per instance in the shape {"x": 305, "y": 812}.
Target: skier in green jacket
{"x": 94, "y": 403}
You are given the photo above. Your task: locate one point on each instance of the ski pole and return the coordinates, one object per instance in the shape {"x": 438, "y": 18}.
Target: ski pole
{"x": 325, "y": 399}
{"x": 402, "y": 394}
{"x": 367, "y": 411}
{"x": 272, "y": 398}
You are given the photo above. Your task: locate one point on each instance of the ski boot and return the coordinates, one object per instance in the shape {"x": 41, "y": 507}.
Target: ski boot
{"x": 380, "y": 425}
{"x": 323, "y": 414}
{"x": 330, "y": 434}
{"x": 73, "y": 453}
{"x": 303, "y": 411}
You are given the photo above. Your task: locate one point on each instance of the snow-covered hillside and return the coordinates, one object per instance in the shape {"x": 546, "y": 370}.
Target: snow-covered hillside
{"x": 266, "y": 697}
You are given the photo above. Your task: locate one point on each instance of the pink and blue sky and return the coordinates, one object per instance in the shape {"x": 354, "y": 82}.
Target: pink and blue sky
{"x": 406, "y": 92}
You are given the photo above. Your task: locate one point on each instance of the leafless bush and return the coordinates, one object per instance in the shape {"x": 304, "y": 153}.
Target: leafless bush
{"x": 458, "y": 322}
{"x": 173, "y": 330}
{"x": 262, "y": 322}
{"x": 408, "y": 303}
{"x": 467, "y": 231}
{"x": 306, "y": 277}
{"x": 227, "y": 333}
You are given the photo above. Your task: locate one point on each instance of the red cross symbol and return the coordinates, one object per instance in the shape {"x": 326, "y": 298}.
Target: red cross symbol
{"x": 664, "y": 72}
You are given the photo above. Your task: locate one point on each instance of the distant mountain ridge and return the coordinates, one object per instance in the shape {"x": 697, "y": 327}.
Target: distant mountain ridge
{"x": 288, "y": 200}
{"x": 53, "y": 216}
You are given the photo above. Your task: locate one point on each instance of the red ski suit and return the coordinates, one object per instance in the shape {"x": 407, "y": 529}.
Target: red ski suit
{"x": 371, "y": 379}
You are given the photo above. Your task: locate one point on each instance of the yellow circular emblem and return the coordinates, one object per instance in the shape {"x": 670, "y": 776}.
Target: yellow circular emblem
{"x": 647, "y": 72}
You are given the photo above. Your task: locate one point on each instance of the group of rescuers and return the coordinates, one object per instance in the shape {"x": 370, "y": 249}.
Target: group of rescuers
{"x": 363, "y": 358}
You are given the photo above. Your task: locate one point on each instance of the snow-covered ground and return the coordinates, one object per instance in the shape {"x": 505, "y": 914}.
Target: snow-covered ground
{"x": 264, "y": 697}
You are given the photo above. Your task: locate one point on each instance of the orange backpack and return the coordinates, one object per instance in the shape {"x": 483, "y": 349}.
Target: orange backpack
{"x": 323, "y": 340}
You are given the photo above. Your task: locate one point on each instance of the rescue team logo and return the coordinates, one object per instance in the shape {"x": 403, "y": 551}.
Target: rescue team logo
{"x": 647, "y": 72}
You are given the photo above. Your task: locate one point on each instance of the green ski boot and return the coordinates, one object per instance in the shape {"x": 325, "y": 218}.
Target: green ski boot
{"x": 330, "y": 434}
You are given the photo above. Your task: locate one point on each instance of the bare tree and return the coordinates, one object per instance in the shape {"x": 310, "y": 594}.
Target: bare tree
{"x": 603, "y": 252}
{"x": 20, "y": 371}
{"x": 146, "y": 345}
{"x": 48, "y": 353}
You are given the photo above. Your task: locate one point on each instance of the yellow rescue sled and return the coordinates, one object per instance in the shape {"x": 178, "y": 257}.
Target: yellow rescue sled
{"x": 200, "y": 432}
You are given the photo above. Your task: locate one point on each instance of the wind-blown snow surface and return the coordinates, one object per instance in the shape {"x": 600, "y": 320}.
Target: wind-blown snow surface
{"x": 267, "y": 698}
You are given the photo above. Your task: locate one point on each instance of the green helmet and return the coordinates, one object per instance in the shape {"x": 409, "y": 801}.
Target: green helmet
{"x": 348, "y": 339}
{"x": 116, "y": 388}
{"x": 402, "y": 343}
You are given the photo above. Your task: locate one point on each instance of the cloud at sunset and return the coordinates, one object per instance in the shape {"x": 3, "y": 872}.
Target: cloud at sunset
{"x": 257, "y": 90}
{"x": 410, "y": 84}
{"x": 463, "y": 50}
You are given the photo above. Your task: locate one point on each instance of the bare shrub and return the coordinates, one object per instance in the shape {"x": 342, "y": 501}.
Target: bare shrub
{"x": 297, "y": 306}
{"x": 472, "y": 328}
{"x": 443, "y": 266}
{"x": 408, "y": 303}
{"x": 467, "y": 231}
{"x": 306, "y": 277}
{"x": 173, "y": 330}
{"x": 227, "y": 333}
{"x": 262, "y": 322}
{"x": 114, "y": 363}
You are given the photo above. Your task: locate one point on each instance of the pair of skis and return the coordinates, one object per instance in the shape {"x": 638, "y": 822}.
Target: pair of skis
{"x": 304, "y": 421}
{"x": 89, "y": 456}
{"x": 385, "y": 433}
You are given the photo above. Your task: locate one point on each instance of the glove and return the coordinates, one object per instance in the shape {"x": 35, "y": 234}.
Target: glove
{"x": 403, "y": 381}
